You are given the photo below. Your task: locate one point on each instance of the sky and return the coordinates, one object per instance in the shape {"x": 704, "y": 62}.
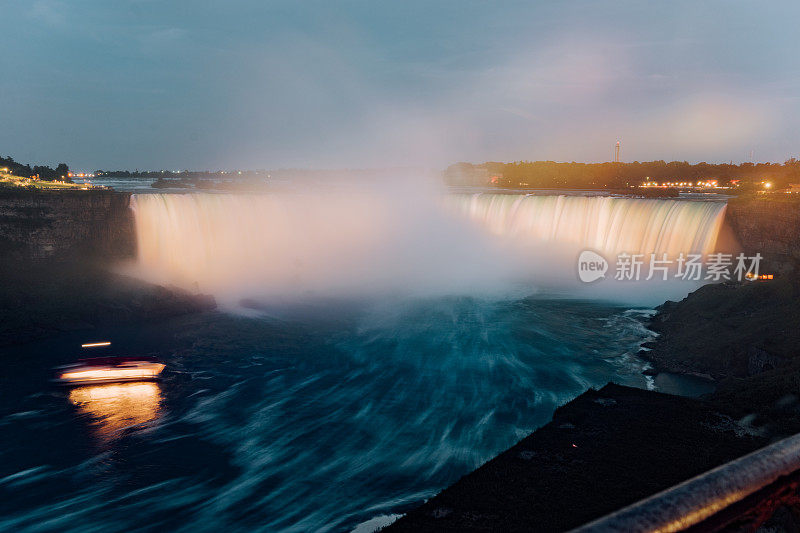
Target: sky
{"x": 200, "y": 84}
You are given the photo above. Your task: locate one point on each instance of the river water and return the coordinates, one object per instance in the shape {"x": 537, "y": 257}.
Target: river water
{"x": 305, "y": 405}
{"x": 314, "y": 421}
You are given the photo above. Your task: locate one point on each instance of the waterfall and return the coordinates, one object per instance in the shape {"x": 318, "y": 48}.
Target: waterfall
{"x": 610, "y": 225}
{"x": 352, "y": 243}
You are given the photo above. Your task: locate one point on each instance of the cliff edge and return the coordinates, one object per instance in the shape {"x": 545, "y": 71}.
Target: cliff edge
{"x": 39, "y": 224}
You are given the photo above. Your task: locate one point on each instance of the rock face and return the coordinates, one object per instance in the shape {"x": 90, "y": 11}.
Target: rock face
{"x": 56, "y": 248}
{"x": 736, "y": 330}
{"x": 759, "y": 360}
{"x": 769, "y": 225}
{"x": 728, "y": 330}
{"x": 602, "y": 451}
{"x": 60, "y": 224}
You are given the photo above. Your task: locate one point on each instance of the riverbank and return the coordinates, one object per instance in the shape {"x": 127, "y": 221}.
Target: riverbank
{"x": 768, "y": 224}
{"x": 746, "y": 338}
{"x": 604, "y": 450}
{"x": 728, "y": 331}
{"x": 11, "y": 182}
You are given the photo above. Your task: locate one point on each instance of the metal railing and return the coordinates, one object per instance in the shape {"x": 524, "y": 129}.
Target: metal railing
{"x": 744, "y": 492}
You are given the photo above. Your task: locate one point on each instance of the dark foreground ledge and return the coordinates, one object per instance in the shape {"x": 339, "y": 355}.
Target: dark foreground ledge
{"x": 602, "y": 451}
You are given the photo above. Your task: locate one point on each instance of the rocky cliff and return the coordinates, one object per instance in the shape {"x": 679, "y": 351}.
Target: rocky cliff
{"x": 728, "y": 330}
{"x": 56, "y": 248}
{"x": 56, "y": 224}
{"x": 769, "y": 225}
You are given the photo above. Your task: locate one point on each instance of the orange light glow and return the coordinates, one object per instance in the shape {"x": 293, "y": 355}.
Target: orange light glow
{"x": 118, "y": 406}
{"x": 135, "y": 371}
{"x": 95, "y": 344}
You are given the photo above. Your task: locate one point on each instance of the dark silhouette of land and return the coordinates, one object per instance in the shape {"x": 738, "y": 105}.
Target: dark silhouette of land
{"x": 602, "y": 451}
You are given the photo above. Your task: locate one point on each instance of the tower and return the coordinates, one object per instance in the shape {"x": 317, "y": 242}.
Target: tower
{"x": 616, "y": 153}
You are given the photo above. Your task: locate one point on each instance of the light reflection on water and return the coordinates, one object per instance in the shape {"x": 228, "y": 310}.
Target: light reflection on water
{"x": 117, "y": 406}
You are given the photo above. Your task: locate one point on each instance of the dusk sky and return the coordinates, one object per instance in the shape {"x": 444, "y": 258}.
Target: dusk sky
{"x": 266, "y": 84}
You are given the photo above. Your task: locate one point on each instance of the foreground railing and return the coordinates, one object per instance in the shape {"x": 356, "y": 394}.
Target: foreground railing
{"x": 738, "y": 495}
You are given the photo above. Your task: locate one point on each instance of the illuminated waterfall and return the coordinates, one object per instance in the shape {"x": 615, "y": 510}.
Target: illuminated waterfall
{"x": 254, "y": 245}
{"x": 606, "y": 224}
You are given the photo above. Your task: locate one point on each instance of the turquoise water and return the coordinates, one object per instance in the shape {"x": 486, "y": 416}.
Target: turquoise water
{"x": 312, "y": 417}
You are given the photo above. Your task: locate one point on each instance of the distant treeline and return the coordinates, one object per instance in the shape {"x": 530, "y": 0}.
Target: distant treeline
{"x": 44, "y": 172}
{"x": 549, "y": 174}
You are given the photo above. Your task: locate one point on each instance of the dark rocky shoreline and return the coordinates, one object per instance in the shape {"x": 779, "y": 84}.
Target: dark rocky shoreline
{"x": 603, "y": 450}
{"x": 730, "y": 330}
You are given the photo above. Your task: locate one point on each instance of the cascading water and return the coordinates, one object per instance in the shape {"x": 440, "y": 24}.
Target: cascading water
{"x": 321, "y": 244}
{"x": 242, "y": 246}
{"x": 606, "y": 224}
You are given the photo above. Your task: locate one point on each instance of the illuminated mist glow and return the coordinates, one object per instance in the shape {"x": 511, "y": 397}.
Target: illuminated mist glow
{"x": 332, "y": 243}
{"x": 291, "y": 245}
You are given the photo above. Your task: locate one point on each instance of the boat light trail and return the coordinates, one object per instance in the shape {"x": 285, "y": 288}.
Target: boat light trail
{"x": 142, "y": 370}
{"x": 95, "y": 344}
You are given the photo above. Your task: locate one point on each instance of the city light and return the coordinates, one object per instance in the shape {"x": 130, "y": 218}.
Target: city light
{"x": 701, "y": 184}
